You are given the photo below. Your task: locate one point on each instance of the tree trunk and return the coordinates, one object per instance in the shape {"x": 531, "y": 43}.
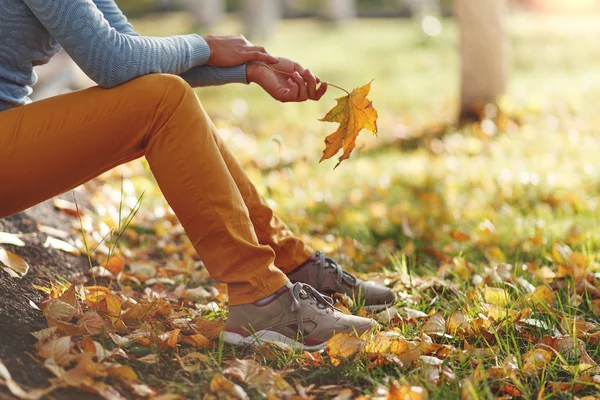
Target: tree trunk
{"x": 339, "y": 10}
{"x": 484, "y": 53}
{"x": 260, "y": 18}
{"x": 206, "y": 13}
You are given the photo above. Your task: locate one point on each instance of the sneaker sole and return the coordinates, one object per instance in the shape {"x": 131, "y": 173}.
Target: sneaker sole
{"x": 264, "y": 336}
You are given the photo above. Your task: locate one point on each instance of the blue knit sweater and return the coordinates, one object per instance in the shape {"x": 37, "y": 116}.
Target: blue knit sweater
{"x": 98, "y": 37}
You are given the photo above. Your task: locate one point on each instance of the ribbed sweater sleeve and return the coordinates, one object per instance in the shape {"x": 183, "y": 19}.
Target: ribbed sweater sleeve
{"x": 108, "y": 56}
{"x": 198, "y": 76}
{"x": 115, "y": 17}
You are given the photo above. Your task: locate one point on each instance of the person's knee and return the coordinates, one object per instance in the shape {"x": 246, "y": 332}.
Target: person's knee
{"x": 169, "y": 89}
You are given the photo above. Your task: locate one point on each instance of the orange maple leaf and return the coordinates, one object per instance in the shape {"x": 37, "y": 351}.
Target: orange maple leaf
{"x": 354, "y": 113}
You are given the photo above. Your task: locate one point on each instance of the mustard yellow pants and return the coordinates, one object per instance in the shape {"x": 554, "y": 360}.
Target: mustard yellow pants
{"x": 51, "y": 146}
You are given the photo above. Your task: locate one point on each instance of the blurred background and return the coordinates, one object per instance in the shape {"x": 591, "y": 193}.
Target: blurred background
{"x": 488, "y": 122}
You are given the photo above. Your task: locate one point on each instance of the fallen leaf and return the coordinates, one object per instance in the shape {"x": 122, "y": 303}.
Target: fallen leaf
{"x": 9, "y": 238}
{"x": 196, "y": 340}
{"x": 192, "y": 361}
{"x": 242, "y": 370}
{"x": 406, "y": 392}
{"x": 435, "y": 325}
{"x": 14, "y": 265}
{"x": 343, "y": 346}
{"x": 210, "y": 329}
{"x": 58, "y": 244}
{"x": 496, "y": 296}
{"x": 59, "y": 349}
{"x": 60, "y": 310}
{"x": 353, "y": 112}
{"x": 16, "y": 389}
{"x": 115, "y": 264}
{"x": 542, "y": 295}
{"x": 123, "y": 372}
{"x": 92, "y": 323}
{"x": 221, "y": 384}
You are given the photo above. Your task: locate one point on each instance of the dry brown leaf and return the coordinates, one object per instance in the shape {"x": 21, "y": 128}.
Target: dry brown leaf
{"x": 435, "y": 325}
{"x": 221, "y": 384}
{"x": 60, "y": 310}
{"x": 169, "y": 339}
{"x": 59, "y": 349}
{"x": 210, "y": 329}
{"x": 353, "y": 112}
{"x": 343, "y": 346}
{"x": 115, "y": 264}
{"x": 271, "y": 383}
{"x": 92, "y": 323}
{"x": 14, "y": 265}
{"x": 535, "y": 360}
{"x": 196, "y": 340}
{"x": 192, "y": 361}
{"x": 457, "y": 322}
{"x": 313, "y": 359}
{"x": 242, "y": 370}
{"x": 16, "y": 389}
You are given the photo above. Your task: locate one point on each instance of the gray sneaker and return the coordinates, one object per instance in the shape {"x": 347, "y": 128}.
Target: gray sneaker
{"x": 325, "y": 275}
{"x": 297, "y": 316}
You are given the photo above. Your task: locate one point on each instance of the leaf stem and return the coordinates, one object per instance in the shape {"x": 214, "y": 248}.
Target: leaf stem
{"x": 288, "y": 74}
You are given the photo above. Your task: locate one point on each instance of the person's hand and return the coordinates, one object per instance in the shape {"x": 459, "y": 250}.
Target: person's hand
{"x": 294, "y": 84}
{"x": 232, "y": 50}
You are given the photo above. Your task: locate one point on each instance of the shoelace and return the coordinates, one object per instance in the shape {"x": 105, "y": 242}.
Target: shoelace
{"x": 341, "y": 275}
{"x": 302, "y": 291}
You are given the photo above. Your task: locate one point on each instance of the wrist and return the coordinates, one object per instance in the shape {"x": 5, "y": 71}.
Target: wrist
{"x": 252, "y": 68}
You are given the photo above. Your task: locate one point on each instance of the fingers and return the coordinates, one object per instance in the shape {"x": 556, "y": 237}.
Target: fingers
{"x": 302, "y": 89}
{"x": 321, "y": 91}
{"x": 311, "y": 84}
{"x": 258, "y": 53}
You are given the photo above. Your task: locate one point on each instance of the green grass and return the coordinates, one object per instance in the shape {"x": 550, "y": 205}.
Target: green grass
{"x": 536, "y": 184}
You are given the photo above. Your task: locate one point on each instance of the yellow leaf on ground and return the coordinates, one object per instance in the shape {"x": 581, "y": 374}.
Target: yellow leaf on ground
{"x": 406, "y": 392}
{"x": 535, "y": 360}
{"x": 542, "y": 294}
{"x": 14, "y": 265}
{"x": 344, "y": 346}
{"x": 494, "y": 255}
{"x": 353, "y": 112}
{"x": 496, "y": 296}
{"x": 123, "y": 372}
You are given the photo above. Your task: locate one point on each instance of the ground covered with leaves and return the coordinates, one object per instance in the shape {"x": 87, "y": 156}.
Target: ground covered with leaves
{"x": 488, "y": 233}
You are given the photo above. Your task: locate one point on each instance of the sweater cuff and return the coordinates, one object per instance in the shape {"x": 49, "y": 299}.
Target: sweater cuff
{"x": 200, "y": 49}
{"x": 235, "y": 74}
